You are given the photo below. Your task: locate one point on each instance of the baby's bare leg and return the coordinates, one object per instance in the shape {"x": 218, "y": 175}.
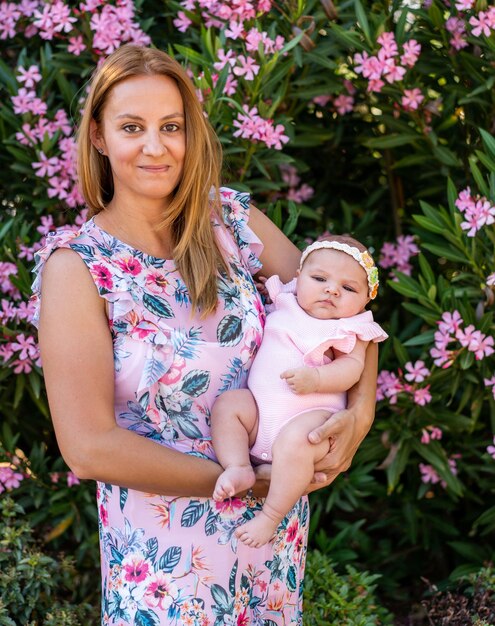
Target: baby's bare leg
{"x": 234, "y": 423}
{"x": 294, "y": 458}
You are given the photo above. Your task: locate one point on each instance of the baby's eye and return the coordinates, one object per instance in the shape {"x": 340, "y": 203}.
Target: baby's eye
{"x": 131, "y": 128}
{"x": 320, "y": 279}
{"x": 348, "y": 288}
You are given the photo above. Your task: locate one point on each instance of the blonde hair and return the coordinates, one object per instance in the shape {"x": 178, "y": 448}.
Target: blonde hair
{"x": 196, "y": 252}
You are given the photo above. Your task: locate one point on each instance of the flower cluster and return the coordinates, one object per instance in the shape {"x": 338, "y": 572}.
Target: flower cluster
{"x": 450, "y": 330}
{"x": 341, "y": 104}
{"x": 430, "y": 475}
{"x": 297, "y": 193}
{"x": 477, "y": 211}
{"x": 219, "y": 14}
{"x": 389, "y": 385}
{"x": 110, "y": 25}
{"x": 397, "y": 255}
{"x": 250, "y": 125}
{"x": 388, "y": 65}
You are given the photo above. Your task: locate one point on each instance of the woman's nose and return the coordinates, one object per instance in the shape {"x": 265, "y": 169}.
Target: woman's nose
{"x": 154, "y": 145}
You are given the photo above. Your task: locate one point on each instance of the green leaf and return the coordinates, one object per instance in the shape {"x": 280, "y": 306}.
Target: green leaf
{"x": 192, "y": 56}
{"x": 427, "y": 224}
{"x": 425, "y": 338}
{"x": 488, "y": 142}
{"x": 391, "y": 141}
{"x": 400, "y": 351}
{"x": 446, "y": 252}
{"x": 478, "y": 177}
{"x": 362, "y": 20}
{"x": 446, "y": 156}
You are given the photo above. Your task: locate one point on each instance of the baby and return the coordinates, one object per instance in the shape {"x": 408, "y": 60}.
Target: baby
{"x": 313, "y": 350}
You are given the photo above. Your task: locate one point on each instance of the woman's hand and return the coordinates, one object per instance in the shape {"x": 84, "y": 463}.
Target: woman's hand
{"x": 345, "y": 433}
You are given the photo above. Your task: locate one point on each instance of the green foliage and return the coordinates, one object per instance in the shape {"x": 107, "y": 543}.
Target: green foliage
{"x": 36, "y": 588}
{"x": 333, "y": 599}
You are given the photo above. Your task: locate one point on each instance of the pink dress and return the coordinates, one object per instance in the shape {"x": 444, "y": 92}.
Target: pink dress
{"x": 293, "y": 339}
{"x": 175, "y": 560}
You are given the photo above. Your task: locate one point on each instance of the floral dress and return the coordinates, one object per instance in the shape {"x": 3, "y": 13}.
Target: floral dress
{"x": 175, "y": 560}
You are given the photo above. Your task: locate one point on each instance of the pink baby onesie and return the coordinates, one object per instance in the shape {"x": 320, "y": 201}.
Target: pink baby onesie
{"x": 292, "y": 338}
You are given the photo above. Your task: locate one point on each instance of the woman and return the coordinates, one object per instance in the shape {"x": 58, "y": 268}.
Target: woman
{"x": 136, "y": 350}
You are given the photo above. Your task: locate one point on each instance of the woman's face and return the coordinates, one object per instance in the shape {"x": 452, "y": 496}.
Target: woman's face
{"x": 143, "y": 135}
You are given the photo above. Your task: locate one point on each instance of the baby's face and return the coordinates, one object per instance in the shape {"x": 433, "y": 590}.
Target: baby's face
{"x": 331, "y": 285}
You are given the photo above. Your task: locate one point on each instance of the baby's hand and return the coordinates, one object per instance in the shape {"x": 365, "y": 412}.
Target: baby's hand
{"x": 261, "y": 287}
{"x": 302, "y": 379}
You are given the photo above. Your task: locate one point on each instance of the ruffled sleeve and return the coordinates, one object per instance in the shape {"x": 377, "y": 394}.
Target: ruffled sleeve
{"x": 235, "y": 213}
{"x": 277, "y": 290}
{"x": 342, "y": 335}
{"x": 60, "y": 238}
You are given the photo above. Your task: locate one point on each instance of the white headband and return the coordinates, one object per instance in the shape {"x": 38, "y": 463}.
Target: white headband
{"x": 363, "y": 258}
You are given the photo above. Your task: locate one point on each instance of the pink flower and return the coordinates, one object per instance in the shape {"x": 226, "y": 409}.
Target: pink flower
{"x": 482, "y": 24}
{"x": 230, "y": 509}
{"x": 182, "y": 22}
{"x": 248, "y": 68}
{"x": 76, "y": 45}
{"x": 417, "y": 371}
{"x": 464, "y": 5}
{"x": 30, "y": 76}
{"x": 411, "y": 53}
{"x": 422, "y": 396}
{"x": 72, "y": 479}
{"x": 388, "y": 43}
{"x": 322, "y": 100}
{"x": 393, "y": 73}
{"x": 482, "y": 346}
{"x": 412, "y": 98}
{"x": 430, "y": 433}
{"x": 388, "y": 386}
{"x": 224, "y": 59}
{"x": 26, "y": 345}
{"x": 9, "y": 478}
{"x": 161, "y": 591}
{"x": 235, "y": 30}
{"x": 129, "y": 264}
{"x": 343, "y": 104}
{"x": 451, "y": 322}
{"x": 135, "y": 567}
{"x": 491, "y": 450}
{"x": 102, "y": 276}
{"x": 428, "y": 474}
{"x": 46, "y": 166}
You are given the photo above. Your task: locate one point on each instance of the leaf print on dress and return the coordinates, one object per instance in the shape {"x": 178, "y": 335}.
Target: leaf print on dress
{"x": 236, "y": 376}
{"x": 158, "y": 306}
{"x": 229, "y": 331}
{"x": 187, "y": 342}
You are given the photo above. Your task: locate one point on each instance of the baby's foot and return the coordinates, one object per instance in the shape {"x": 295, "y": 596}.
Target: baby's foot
{"x": 234, "y": 479}
{"x": 258, "y": 531}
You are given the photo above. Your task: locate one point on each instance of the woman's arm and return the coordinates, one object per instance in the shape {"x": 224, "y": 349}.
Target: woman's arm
{"x": 280, "y": 256}
{"x": 77, "y": 354}
{"x": 347, "y": 429}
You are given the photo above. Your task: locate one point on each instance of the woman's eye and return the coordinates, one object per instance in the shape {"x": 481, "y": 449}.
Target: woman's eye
{"x": 171, "y": 128}
{"x": 131, "y": 128}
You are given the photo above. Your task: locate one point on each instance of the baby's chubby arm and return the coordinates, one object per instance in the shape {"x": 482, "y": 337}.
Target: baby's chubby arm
{"x": 339, "y": 375}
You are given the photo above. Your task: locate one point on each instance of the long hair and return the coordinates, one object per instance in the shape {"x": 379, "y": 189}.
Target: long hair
{"x": 188, "y": 216}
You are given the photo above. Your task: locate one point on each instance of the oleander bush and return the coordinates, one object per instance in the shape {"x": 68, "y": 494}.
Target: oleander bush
{"x": 375, "y": 118}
